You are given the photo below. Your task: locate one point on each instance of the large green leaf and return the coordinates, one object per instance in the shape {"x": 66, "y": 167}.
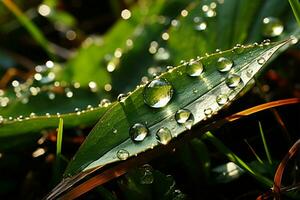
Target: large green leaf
{"x": 110, "y": 137}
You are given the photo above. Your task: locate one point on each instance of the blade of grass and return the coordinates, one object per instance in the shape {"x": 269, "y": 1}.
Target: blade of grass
{"x": 30, "y": 27}
{"x": 234, "y": 158}
{"x": 295, "y": 4}
{"x": 264, "y": 143}
{"x": 59, "y": 137}
{"x": 254, "y": 153}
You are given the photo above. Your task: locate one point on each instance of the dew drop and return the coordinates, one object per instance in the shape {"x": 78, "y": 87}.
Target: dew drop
{"x": 233, "y": 80}
{"x": 89, "y": 107}
{"x": 194, "y": 68}
{"x": 200, "y": 26}
{"x": 163, "y": 135}
{"x": 32, "y": 115}
{"x": 1, "y": 119}
{"x": 122, "y": 154}
{"x": 222, "y": 99}
{"x": 272, "y": 27}
{"x": 261, "y": 61}
{"x": 238, "y": 49}
{"x": 104, "y": 103}
{"x": 224, "y": 64}
{"x": 158, "y": 93}
{"x": 121, "y": 97}
{"x": 184, "y": 117}
{"x": 208, "y": 112}
{"x": 266, "y": 42}
{"x": 138, "y": 132}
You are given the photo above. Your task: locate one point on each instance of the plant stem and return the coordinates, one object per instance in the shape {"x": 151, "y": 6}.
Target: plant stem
{"x": 295, "y": 4}
{"x": 59, "y": 137}
{"x": 265, "y": 143}
{"x": 31, "y": 27}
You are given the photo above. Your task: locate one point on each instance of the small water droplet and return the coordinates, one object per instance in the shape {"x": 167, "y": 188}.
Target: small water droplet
{"x": 208, "y": 112}
{"x": 89, "y": 107}
{"x": 272, "y": 27}
{"x": 249, "y": 73}
{"x": 115, "y": 131}
{"x": 224, "y": 64}
{"x": 163, "y": 135}
{"x": 238, "y": 49}
{"x": 261, "y": 61}
{"x": 146, "y": 175}
{"x": 233, "y": 80}
{"x": 195, "y": 91}
{"x": 200, "y": 26}
{"x": 194, "y": 68}
{"x": 104, "y": 103}
{"x": 266, "y": 42}
{"x": 184, "y": 117}
{"x": 170, "y": 68}
{"x": 158, "y": 93}
{"x": 121, "y": 97}
{"x": 138, "y": 132}
{"x": 32, "y": 115}
{"x": 122, "y": 154}
{"x": 222, "y": 99}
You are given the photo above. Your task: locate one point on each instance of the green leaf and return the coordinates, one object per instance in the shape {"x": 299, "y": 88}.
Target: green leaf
{"x": 196, "y": 94}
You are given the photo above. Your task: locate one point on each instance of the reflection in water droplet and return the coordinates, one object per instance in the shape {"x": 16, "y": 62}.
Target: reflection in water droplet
{"x": 104, "y": 103}
{"x": 146, "y": 175}
{"x": 224, "y": 64}
{"x": 261, "y": 61}
{"x": 184, "y": 117}
{"x": 122, "y": 154}
{"x": 194, "y": 68}
{"x": 272, "y": 27}
{"x": 222, "y": 99}
{"x": 163, "y": 135}
{"x": 158, "y": 93}
{"x": 233, "y": 80}
{"x": 138, "y": 132}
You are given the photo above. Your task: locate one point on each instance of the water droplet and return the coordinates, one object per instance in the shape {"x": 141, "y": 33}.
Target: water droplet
{"x": 194, "y": 68}
{"x": 238, "y": 49}
{"x": 195, "y": 91}
{"x": 224, "y": 64}
{"x": 200, "y": 26}
{"x": 261, "y": 61}
{"x": 122, "y": 154}
{"x": 222, "y": 99}
{"x": 89, "y": 107}
{"x": 170, "y": 68}
{"x": 272, "y": 27}
{"x": 121, "y": 97}
{"x": 138, "y": 132}
{"x": 104, "y": 103}
{"x": 163, "y": 135}
{"x": 266, "y": 42}
{"x": 1, "y": 119}
{"x": 184, "y": 117}
{"x": 158, "y": 93}
{"x": 115, "y": 131}
{"x": 249, "y": 73}
{"x": 233, "y": 80}
{"x": 147, "y": 175}
{"x": 208, "y": 112}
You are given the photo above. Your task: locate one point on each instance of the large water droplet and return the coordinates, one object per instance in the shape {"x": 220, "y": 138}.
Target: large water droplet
{"x": 164, "y": 135}
{"x": 194, "y": 68}
{"x": 233, "y": 80}
{"x": 122, "y": 154}
{"x": 272, "y": 27}
{"x": 222, "y": 99}
{"x": 158, "y": 93}
{"x": 224, "y": 64}
{"x": 138, "y": 132}
{"x": 184, "y": 117}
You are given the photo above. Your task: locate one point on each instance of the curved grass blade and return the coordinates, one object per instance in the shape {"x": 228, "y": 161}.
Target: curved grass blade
{"x": 197, "y": 94}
